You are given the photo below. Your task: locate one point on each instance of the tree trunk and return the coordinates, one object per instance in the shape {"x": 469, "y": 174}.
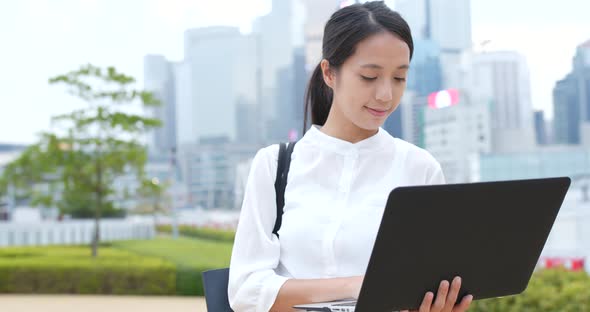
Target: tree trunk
{"x": 96, "y": 237}
{"x": 98, "y": 208}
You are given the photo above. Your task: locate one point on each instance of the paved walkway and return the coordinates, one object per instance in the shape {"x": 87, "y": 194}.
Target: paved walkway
{"x": 79, "y": 303}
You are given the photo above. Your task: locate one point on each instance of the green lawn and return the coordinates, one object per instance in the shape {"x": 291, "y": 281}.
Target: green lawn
{"x": 183, "y": 251}
{"x": 191, "y": 255}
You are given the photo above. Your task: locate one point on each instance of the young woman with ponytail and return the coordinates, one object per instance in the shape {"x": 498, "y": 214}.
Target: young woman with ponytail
{"x": 341, "y": 173}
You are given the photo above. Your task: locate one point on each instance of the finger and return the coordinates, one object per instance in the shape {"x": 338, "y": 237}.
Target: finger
{"x": 441, "y": 296}
{"x": 426, "y": 302}
{"x": 464, "y": 305}
{"x": 453, "y": 294}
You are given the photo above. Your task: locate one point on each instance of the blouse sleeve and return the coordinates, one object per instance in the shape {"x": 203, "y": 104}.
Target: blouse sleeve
{"x": 253, "y": 283}
{"x": 435, "y": 175}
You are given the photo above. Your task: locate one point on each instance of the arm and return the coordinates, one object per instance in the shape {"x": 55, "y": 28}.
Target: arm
{"x": 253, "y": 284}
{"x": 300, "y": 291}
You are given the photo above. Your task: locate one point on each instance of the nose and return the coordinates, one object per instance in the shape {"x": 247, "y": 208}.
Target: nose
{"x": 384, "y": 92}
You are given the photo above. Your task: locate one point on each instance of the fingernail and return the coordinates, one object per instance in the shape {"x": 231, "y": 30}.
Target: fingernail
{"x": 458, "y": 279}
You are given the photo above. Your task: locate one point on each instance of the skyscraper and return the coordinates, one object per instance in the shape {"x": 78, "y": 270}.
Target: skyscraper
{"x": 275, "y": 42}
{"x": 456, "y": 134}
{"x": 247, "y": 120}
{"x": 445, "y": 22}
{"x": 300, "y": 80}
{"x": 425, "y": 74}
{"x": 571, "y": 101}
{"x": 503, "y": 79}
{"x": 289, "y": 100}
{"x": 218, "y": 70}
{"x": 209, "y": 169}
{"x": 393, "y": 124}
{"x": 541, "y": 128}
{"x": 317, "y": 14}
{"x": 582, "y": 69}
{"x": 413, "y": 107}
{"x": 159, "y": 79}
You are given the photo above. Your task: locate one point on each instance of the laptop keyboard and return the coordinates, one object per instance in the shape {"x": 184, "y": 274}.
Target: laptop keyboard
{"x": 346, "y": 304}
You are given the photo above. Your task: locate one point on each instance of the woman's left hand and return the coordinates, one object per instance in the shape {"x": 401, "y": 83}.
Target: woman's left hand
{"x": 445, "y": 299}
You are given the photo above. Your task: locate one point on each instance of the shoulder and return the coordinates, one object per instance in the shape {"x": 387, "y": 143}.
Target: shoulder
{"x": 266, "y": 158}
{"x": 268, "y": 152}
{"x": 414, "y": 155}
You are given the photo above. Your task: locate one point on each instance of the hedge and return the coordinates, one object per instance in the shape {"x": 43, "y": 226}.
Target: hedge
{"x": 548, "y": 290}
{"x": 200, "y": 232}
{"x": 71, "y": 270}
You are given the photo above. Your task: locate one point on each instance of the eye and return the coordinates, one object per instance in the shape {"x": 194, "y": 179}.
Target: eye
{"x": 368, "y": 78}
{"x": 400, "y": 79}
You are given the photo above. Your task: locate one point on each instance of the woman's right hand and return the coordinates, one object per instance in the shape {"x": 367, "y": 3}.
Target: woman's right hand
{"x": 445, "y": 299}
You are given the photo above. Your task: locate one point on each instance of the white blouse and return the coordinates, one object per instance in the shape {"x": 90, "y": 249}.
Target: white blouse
{"x": 334, "y": 200}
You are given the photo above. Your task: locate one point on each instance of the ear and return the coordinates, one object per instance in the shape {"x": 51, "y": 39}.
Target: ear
{"x": 327, "y": 73}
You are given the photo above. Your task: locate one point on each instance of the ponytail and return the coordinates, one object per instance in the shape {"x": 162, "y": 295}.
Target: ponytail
{"x": 318, "y": 99}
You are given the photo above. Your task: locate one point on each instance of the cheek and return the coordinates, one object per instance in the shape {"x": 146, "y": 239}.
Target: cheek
{"x": 353, "y": 94}
{"x": 360, "y": 93}
{"x": 397, "y": 96}
{"x": 398, "y": 92}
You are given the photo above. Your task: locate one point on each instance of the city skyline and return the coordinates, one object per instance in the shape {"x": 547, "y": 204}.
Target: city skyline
{"x": 54, "y": 37}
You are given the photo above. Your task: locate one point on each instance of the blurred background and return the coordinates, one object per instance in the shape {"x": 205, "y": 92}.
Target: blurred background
{"x": 141, "y": 118}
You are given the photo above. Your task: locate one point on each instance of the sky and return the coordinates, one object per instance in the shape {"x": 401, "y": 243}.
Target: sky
{"x": 43, "y": 38}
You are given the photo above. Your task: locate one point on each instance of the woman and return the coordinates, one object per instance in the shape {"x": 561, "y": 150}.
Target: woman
{"x": 341, "y": 173}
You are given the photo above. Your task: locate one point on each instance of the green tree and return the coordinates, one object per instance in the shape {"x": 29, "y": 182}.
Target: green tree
{"x": 25, "y": 173}
{"x": 74, "y": 166}
{"x": 153, "y": 198}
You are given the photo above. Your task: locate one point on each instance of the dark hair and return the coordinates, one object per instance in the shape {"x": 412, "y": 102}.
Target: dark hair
{"x": 345, "y": 29}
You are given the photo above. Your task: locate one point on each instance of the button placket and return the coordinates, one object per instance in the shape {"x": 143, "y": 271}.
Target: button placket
{"x": 347, "y": 171}
{"x": 344, "y": 187}
{"x": 331, "y": 231}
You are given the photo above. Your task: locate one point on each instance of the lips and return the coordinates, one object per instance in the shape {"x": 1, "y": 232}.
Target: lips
{"x": 376, "y": 112}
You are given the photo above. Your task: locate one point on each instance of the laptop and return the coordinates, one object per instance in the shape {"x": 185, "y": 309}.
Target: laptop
{"x": 491, "y": 234}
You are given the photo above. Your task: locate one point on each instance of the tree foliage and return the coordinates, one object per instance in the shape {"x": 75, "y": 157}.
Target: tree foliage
{"x": 74, "y": 166}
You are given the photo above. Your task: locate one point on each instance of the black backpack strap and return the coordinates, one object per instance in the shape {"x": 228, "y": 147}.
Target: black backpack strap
{"x": 283, "y": 164}
{"x": 215, "y": 281}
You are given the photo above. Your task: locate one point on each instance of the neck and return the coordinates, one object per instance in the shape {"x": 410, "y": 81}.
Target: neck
{"x": 341, "y": 128}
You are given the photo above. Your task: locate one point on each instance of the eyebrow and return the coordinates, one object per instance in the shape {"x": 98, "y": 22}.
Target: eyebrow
{"x": 375, "y": 66}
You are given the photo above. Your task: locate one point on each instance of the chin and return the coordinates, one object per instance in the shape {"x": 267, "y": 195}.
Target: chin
{"x": 371, "y": 125}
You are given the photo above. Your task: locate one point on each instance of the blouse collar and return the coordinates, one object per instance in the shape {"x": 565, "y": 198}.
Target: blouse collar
{"x": 340, "y": 146}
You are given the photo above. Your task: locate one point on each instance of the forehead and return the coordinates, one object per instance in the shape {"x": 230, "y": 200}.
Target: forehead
{"x": 384, "y": 49}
